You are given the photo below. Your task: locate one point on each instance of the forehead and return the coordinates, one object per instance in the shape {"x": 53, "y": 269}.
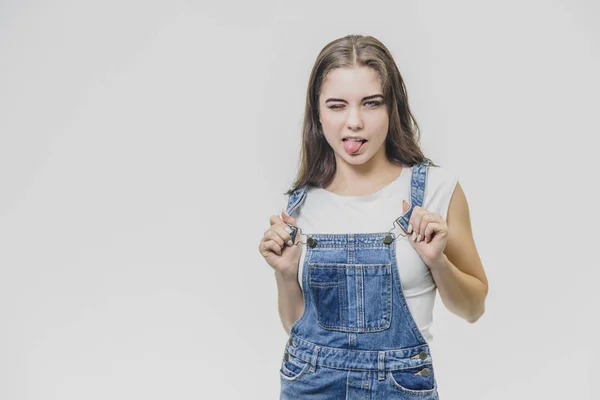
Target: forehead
{"x": 351, "y": 82}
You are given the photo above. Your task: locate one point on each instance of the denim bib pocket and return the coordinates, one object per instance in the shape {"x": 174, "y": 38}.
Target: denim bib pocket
{"x": 352, "y": 297}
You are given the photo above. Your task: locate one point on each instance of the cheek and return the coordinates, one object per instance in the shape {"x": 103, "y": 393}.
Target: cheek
{"x": 330, "y": 123}
{"x": 331, "y": 119}
{"x": 382, "y": 128}
{"x": 381, "y": 121}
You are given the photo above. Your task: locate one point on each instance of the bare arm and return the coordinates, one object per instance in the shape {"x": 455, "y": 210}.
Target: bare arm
{"x": 459, "y": 275}
{"x": 290, "y": 299}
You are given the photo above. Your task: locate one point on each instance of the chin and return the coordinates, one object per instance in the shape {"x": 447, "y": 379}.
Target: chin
{"x": 357, "y": 159}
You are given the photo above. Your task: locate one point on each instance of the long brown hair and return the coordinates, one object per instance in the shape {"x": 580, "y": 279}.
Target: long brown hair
{"x": 317, "y": 160}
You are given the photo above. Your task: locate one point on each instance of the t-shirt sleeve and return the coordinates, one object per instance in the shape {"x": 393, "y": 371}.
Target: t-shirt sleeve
{"x": 440, "y": 188}
{"x": 448, "y": 192}
{"x": 448, "y": 186}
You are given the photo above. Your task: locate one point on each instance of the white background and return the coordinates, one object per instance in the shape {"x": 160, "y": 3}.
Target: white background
{"x": 144, "y": 146}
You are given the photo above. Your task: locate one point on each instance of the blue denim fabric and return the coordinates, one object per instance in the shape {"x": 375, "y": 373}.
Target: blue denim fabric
{"x": 356, "y": 338}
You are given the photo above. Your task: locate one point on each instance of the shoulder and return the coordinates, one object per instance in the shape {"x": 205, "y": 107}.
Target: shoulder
{"x": 440, "y": 187}
{"x": 292, "y": 199}
{"x": 442, "y": 176}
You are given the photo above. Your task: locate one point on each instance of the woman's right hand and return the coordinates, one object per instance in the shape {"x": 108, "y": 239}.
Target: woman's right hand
{"x": 275, "y": 249}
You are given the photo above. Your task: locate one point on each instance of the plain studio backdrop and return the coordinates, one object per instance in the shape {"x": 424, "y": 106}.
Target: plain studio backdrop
{"x": 144, "y": 146}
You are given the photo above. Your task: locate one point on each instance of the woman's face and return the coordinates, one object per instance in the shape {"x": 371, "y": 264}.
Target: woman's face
{"x": 351, "y": 104}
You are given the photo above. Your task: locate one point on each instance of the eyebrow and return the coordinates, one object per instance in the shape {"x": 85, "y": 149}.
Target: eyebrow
{"x": 364, "y": 98}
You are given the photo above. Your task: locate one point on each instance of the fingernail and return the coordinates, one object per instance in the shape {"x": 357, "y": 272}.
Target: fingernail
{"x": 288, "y": 229}
{"x": 409, "y": 228}
{"x": 290, "y": 243}
{"x": 418, "y": 238}
{"x": 414, "y": 236}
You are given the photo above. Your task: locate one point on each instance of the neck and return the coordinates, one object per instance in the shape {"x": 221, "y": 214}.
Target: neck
{"x": 361, "y": 180}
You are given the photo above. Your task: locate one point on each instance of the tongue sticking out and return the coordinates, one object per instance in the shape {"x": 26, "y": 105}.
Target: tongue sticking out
{"x": 352, "y": 146}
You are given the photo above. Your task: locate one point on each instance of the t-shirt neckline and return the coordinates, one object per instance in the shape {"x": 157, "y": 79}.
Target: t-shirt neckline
{"x": 370, "y": 196}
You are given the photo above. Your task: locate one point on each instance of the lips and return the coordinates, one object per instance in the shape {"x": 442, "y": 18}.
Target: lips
{"x": 355, "y": 138}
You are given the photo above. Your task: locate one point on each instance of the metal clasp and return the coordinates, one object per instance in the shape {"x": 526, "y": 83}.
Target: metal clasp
{"x": 312, "y": 242}
{"x": 390, "y": 237}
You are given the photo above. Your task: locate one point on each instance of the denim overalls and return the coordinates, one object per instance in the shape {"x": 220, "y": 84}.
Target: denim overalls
{"x": 356, "y": 338}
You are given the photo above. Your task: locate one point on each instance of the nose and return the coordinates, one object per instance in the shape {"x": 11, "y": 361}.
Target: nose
{"x": 354, "y": 120}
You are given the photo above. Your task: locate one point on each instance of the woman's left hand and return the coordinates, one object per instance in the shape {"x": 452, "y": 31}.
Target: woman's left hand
{"x": 429, "y": 235}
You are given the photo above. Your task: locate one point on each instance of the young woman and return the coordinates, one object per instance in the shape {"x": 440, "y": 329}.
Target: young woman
{"x": 371, "y": 230}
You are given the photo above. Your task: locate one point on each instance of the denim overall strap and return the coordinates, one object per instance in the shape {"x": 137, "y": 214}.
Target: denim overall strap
{"x": 418, "y": 186}
{"x": 294, "y": 201}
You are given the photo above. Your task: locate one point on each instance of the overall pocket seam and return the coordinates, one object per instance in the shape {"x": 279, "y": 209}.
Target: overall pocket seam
{"x": 338, "y": 270}
{"x": 295, "y": 377}
{"x": 423, "y": 392}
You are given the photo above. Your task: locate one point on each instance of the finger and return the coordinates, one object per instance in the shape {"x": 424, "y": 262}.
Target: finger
{"x": 426, "y": 218}
{"x": 290, "y": 221}
{"x": 435, "y": 219}
{"x": 284, "y": 232}
{"x": 271, "y": 246}
{"x": 287, "y": 219}
{"x": 271, "y": 235}
{"x": 439, "y": 228}
{"x": 405, "y": 207}
{"x": 264, "y": 248}
{"x": 415, "y": 221}
{"x": 275, "y": 220}
{"x": 431, "y": 230}
{"x": 277, "y": 234}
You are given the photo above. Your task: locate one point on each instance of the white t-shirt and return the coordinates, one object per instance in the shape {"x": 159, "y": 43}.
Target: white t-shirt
{"x": 325, "y": 212}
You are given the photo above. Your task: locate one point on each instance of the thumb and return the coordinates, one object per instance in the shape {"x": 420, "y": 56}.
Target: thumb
{"x": 287, "y": 218}
{"x": 405, "y": 206}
